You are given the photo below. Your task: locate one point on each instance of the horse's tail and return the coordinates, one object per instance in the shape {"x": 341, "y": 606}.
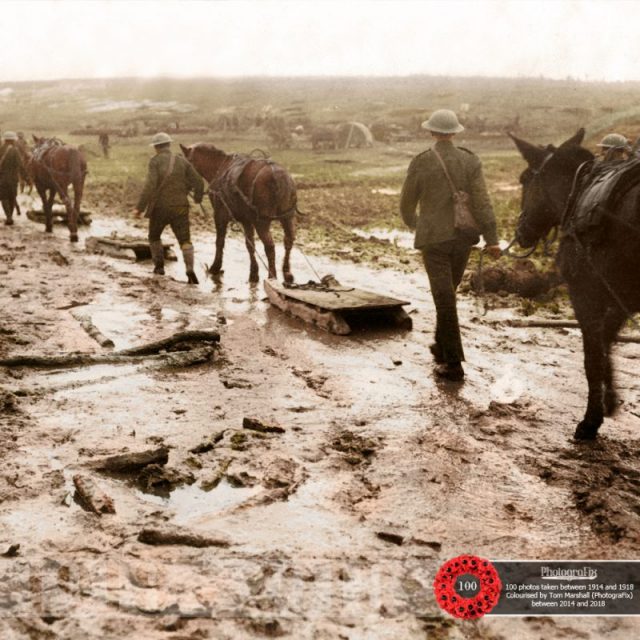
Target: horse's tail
{"x": 284, "y": 193}
{"x": 77, "y": 172}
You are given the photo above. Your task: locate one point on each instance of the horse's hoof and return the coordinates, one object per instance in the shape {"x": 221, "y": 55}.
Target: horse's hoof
{"x": 215, "y": 272}
{"x": 586, "y": 431}
{"x": 48, "y": 230}
{"x": 74, "y": 237}
{"x": 288, "y": 278}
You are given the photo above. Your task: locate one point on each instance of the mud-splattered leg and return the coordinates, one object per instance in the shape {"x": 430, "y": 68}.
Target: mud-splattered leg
{"x": 613, "y": 322}
{"x": 594, "y": 366}
{"x": 262, "y": 227}
{"x": 221, "y": 221}
{"x": 289, "y": 227}
{"x": 249, "y": 239}
{"x": 47, "y": 197}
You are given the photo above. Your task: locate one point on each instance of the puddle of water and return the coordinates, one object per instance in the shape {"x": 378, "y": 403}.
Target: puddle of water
{"x": 193, "y": 505}
{"x": 380, "y": 171}
{"x": 387, "y": 191}
{"x": 395, "y": 236}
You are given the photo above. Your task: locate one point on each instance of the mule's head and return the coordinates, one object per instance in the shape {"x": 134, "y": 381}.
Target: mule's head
{"x": 205, "y": 158}
{"x": 38, "y": 140}
{"x": 546, "y": 185}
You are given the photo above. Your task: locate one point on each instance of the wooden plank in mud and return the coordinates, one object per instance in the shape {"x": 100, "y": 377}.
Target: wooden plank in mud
{"x": 126, "y": 247}
{"x": 327, "y": 313}
{"x": 339, "y": 298}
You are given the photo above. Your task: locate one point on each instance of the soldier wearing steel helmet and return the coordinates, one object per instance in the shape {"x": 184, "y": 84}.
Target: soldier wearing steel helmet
{"x": 614, "y": 147}
{"x": 11, "y": 171}
{"x": 170, "y": 178}
{"x": 445, "y": 250}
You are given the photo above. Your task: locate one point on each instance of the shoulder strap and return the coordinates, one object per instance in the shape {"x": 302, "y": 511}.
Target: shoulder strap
{"x": 4, "y": 155}
{"x": 446, "y": 172}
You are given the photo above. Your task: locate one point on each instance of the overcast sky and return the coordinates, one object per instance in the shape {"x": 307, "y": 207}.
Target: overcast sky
{"x": 585, "y": 39}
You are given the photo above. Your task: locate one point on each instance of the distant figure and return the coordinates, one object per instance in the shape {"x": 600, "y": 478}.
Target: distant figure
{"x": 11, "y": 170}
{"x": 445, "y": 250}
{"x": 103, "y": 139}
{"x": 170, "y": 178}
{"x": 614, "y": 148}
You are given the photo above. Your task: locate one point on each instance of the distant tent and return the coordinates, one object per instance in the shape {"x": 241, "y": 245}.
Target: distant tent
{"x": 353, "y": 134}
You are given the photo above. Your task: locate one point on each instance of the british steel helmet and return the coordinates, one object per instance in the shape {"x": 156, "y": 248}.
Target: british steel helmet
{"x": 160, "y": 138}
{"x": 443, "y": 121}
{"x": 9, "y": 135}
{"x": 613, "y": 141}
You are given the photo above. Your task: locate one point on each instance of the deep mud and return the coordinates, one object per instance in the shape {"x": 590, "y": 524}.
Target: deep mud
{"x": 330, "y": 526}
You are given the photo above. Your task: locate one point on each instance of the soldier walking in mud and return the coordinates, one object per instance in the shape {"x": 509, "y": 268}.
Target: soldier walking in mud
{"x": 170, "y": 178}
{"x": 11, "y": 171}
{"x": 445, "y": 250}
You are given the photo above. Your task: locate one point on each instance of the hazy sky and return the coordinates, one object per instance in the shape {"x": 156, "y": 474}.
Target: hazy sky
{"x": 586, "y": 39}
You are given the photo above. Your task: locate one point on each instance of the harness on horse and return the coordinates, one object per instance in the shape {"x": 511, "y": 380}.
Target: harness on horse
{"x": 226, "y": 187}
{"x": 40, "y": 154}
{"x": 597, "y": 189}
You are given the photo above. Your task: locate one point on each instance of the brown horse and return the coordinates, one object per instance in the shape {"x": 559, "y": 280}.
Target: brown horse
{"x": 253, "y": 192}
{"x": 54, "y": 166}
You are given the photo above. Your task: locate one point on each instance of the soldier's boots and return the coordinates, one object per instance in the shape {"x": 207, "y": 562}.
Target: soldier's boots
{"x": 157, "y": 255}
{"x": 450, "y": 371}
{"x": 189, "y": 257}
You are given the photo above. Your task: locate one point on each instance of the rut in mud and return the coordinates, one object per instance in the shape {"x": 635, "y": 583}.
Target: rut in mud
{"x": 295, "y": 484}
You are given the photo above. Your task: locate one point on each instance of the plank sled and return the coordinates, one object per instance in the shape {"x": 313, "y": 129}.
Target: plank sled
{"x": 126, "y": 247}
{"x": 336, "y": 308}
{"x": 59, "y": 215}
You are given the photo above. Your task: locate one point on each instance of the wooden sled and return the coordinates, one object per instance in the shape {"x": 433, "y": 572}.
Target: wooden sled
{"x": 59, "y": 215}
{"x": 335, "y": 308}
{"x": 126, "y": 247}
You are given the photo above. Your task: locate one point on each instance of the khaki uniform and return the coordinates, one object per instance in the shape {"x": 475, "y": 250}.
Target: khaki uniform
{"x": 11, "y": 170}
{"x": 166, "y": 203}
{"x": 445, "y": 251}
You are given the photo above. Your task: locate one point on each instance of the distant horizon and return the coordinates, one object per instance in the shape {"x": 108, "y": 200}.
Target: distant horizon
{"x": 223, "y": 78}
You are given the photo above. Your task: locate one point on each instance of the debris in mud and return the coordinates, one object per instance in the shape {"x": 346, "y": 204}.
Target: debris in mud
{"x": 157, "y": 478}
{"x": 432, "y": 544}
{"x": 58, "y": 258}
{"x": 257, "y": 425}
{"x": 238, "y": 441}
{"x": 11, "y": 551}
{"x": 87, "y": 324}
{"x": 91, "y": 497}
{"x": 270, "y": 628}
{"x": 207, "y": 484}
{"x": 8, "y": 402}
{"x": 127, "y": 247}
{"x": 356, "y": 448}
{"x": 208, "y": 443}
{"x": 236, "y": 383}
{"x": 522, "y": 278}
{"x": 240, "y": 479}
{"x": 393, "y": 538}
{"x": 164, "y": 350}
{"x": 127, "y": 462}
{"x": 170, "y": 536}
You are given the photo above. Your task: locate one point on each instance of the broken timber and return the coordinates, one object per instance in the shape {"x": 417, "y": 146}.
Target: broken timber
{"x": 126, "y": 247}
{"x": 335, "y": 308}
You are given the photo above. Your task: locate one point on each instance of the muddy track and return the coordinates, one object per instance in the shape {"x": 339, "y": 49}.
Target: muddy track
{"x": 332, "y": 508}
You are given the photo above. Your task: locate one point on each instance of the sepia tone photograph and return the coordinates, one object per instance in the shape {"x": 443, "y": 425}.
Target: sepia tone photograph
{"x": 319, "y": 320}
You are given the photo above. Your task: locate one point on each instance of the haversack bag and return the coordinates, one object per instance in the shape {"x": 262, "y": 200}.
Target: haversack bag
{"x": 463, "y": 219}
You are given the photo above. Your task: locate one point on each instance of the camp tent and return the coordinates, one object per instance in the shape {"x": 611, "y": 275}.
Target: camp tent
{"x": 353, "y": 134}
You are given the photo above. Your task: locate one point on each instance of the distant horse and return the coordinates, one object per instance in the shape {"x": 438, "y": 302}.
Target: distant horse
{"x": 54, "y": 167}
{"x": 252, "y": 191}
{"x": 602, "y": 272}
